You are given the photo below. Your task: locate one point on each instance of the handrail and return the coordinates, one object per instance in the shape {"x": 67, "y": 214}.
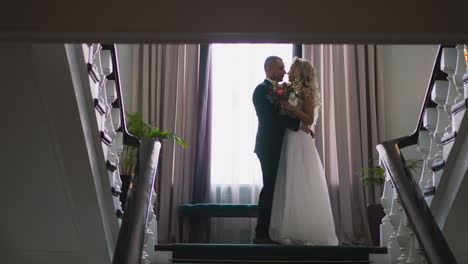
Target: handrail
{"x": 422, "y": 221}
{"x": 132, "y": 231}
{"x": 425, "y": 227}
{"x": 128, "y": 139}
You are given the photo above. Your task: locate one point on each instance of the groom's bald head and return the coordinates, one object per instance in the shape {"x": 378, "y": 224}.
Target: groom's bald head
{"x": 274, "y": 68}
{"x": 270, "y": 61}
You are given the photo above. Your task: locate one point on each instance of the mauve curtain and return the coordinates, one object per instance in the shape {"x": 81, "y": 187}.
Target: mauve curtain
{"x": 171, "y": 87}
{"x": 350, "y": 126}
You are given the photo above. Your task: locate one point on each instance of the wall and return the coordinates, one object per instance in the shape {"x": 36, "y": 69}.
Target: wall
{"x": 125, "y": 59}
{"x": 407, "y": 69}
{"x": 57, "y": 205}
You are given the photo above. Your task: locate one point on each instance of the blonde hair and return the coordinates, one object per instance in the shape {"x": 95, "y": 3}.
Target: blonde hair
{"x": 306, "y": 78}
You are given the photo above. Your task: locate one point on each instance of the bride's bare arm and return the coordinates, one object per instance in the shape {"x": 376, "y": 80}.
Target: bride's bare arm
{"x": 307, "y": 114}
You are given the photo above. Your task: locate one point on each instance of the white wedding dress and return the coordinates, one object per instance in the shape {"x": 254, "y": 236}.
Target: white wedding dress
{"x": 301, "y": 212}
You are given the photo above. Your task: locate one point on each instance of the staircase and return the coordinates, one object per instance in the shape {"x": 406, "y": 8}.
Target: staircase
{"x": 424, "y": 212}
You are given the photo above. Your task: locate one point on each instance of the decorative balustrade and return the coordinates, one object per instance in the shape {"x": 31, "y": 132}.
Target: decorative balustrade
{"x": 106, "y": 92}
{"x": 394, "y": 248}
{"x": 439, "y": 96}
{"x": 444, "y": 108}
{"x": 460, "y": 77}
{"x": 460, "y": 70}
{"x": 387, "y": 202}
{"x": 430, "y": 123}
{"x": 442, "y": 126}
{"x": 396, "y": 233}
{"x": 424, "y": 144}
{"x": 448, "y": 64}
{"x": 99, "y": 63}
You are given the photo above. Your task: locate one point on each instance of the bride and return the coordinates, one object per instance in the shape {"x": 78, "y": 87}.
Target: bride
{"x": 301, "y": 212}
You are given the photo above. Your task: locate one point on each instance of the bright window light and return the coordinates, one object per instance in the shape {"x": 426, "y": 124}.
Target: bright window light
{"x": 237, "y": 70}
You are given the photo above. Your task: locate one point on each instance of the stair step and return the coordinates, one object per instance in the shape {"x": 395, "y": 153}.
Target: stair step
{"x": 255, "y": 253}
{"x": 429, "y": 191}
{"x": 271, "y": 261}
{"x": 447, "y": 144}
{"x": 438, "y": 165}
{"x": 438, "y": 168}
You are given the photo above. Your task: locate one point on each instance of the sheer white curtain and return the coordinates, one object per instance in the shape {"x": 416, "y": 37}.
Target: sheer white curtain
{"x": 235, "y": 169}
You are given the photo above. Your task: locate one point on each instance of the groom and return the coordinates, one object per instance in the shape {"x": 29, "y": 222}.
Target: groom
{"x": 271, "y": 127}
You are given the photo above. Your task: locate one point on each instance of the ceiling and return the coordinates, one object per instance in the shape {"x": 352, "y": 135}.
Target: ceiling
{"x": 209, "y": 21}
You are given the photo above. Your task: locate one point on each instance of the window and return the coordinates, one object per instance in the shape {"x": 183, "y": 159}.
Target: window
{"x": 237, "y": 70}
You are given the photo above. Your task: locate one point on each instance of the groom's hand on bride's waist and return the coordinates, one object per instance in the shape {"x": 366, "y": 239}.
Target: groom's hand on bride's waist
{"x": 306, "y": 129}
{"x": 312, "y": 133}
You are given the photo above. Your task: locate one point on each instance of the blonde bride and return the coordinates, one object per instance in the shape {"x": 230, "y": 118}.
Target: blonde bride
{"x": 301, "y": 212}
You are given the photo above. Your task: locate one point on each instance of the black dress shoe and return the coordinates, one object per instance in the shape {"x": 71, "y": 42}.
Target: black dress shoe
{"x": 264, "y": 240}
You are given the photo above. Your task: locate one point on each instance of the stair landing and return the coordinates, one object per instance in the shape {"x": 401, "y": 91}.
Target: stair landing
{"x": 253, "y": 253}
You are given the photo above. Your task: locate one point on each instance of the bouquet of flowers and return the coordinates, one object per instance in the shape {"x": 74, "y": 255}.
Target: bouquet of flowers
{"x": 283, "y": 92}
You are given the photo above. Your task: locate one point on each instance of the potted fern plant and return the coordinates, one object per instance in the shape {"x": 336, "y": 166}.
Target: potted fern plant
{"x": 139, "y": 128}
{"x": 375, "y": 176}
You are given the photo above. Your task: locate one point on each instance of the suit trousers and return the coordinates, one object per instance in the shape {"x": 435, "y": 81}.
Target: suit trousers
{"x": 269, "y": 163}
